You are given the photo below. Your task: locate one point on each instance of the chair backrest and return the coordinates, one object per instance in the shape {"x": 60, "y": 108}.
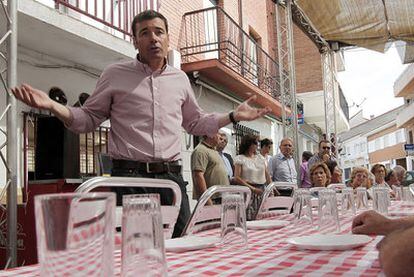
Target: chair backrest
{"x": 273, "y": 204}
{"x": 204, "y": 216}
{"x": 411, "y": 186}
{"x": 336, "y": 186}
{"x": 169, "y": 212}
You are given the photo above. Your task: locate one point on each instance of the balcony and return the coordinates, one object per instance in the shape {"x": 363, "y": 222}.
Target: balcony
{"x": 404, "y": 85}
{"x": 213, "y": 44}
{"x": 405, "y": 118}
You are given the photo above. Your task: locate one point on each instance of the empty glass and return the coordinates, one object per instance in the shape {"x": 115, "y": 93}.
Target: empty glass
{"x": 75, "y": 234}
{"x": 143, "y": 252}
{"x": 302, "y": 207}
{"x": 328, "y": 212}
{"x": 380, "y": 199}
{"x": 361, "y": 198}
{"x": 398, "y": 192}
{"x": 233, "y": 222}
{"x": 347, "y": 201}
{"x": 407, "y": 194}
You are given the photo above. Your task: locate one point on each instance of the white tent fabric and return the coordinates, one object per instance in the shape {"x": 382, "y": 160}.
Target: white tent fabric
{"x": 365, "y": 23}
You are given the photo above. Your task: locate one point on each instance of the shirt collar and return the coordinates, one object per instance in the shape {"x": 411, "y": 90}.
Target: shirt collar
{"x": 144, "y": 67}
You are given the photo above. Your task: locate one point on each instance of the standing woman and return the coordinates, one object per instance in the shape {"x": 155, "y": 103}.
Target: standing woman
{"x": 250, "y": 170}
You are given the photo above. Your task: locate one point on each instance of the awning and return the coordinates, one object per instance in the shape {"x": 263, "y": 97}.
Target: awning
{"x": 364, "y": 23}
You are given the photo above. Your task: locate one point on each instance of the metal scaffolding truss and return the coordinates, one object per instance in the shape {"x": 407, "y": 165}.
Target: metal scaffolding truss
{"x": 330, "y": 89}
{"x": 287, "y": 72}
{"x": 9, "y": 56}
{"x": 284, "y": 28}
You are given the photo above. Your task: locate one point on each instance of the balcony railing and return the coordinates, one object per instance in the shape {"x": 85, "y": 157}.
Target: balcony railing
{"x": 115, "y": 14}
{"x": 212, "y": 34}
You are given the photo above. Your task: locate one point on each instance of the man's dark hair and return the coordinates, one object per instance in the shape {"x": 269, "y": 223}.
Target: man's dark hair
{"x": 265, "y": 142}
{"x": 323, "y": 141}
{"x": 306, "y": 155}
{"x": 147, "y": 15}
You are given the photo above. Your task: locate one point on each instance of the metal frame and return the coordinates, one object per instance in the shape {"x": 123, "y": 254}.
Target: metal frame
{"x": 275, "y": 201}
{"x": 169, "y": 212}
{"x": 330, "y": 83}
{"x": 211, "y": 212}
{"x": 284, "y": 27}
{"x": 11, "y": 162}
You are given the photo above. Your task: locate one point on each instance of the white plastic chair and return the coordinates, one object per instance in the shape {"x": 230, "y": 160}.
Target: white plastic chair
{"x": 336, "y": 186}
{"x": 411, "y": 186}
{"x": 274, "y": 204}
{"x": 169, "y": 212}
{"x": 206, "y": 217}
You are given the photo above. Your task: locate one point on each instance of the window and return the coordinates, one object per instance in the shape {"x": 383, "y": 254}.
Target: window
{"x": 371, "y": 146}
{"x": 400, "y": 136}
{"x": 387, "y": 140}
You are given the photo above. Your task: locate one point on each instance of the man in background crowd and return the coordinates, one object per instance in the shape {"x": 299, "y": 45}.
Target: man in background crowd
{"x": 207, "y": 166}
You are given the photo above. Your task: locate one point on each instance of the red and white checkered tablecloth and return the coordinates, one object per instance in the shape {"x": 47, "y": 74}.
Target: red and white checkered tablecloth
{"x": 267, "y": 254}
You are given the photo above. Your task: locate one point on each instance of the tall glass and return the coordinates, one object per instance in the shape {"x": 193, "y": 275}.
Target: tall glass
{"x": 398, "y": 193}
{"x": 328, "y": 212}
{"x": 347, "y": 201}
{"x": 75, "y": 234}
{"x": 143, "y": 252}
{"x": 302, "y": 207}
{"x": 361, "y": 198}
{"x": 380, "y": 200}
{"x": 233, "y": 222}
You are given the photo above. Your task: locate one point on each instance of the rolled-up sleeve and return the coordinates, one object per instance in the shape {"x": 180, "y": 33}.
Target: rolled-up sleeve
{"x": 95, "y": 110}
{"x": 195, "y": 120}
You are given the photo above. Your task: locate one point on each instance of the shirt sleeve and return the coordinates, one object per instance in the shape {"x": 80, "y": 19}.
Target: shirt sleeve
{"x": 96, "y": 108}
{"x": 199, "y": 160}
{"x": 195, "y": 120}
{"x": 238, "y": 160}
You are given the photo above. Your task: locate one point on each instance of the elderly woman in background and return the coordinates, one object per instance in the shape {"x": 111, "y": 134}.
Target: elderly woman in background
{"x": 320, "y": 175}
{"x": 379, "y": 172}
{"x": 250, "y": 170}
{"x": 392, "y": 179}
{"x": 359, "y": 177}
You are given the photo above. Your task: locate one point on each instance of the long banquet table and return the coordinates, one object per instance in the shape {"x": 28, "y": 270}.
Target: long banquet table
{"x": 268, "y": 253}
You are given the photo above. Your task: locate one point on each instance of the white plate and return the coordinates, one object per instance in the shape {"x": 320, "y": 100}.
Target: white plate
{"x": 266, "y": 224}
{"x": 190, "y": 243}
{"x": 330, "y": 242}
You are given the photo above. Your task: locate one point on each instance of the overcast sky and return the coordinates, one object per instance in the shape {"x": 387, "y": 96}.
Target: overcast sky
{"x": 371, "y": 75}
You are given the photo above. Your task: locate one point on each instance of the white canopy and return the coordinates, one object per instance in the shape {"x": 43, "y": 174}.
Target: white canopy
{"x": 365, "y": 23}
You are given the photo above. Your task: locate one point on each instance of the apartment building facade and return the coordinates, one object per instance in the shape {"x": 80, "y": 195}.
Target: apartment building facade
{"x": 404, "y": 87}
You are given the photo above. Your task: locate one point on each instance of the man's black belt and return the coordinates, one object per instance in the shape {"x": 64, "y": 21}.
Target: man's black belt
{"x": 148, "y": 167}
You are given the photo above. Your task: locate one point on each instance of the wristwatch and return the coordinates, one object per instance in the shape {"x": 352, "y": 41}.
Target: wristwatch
{"x": 231, "y": 117}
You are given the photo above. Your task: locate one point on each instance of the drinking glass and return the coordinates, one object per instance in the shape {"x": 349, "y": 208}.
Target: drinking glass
{"x": 143, "y": 252}
{"x": 361, "y": 198}
{"x": 380, "y": 200}
{"x": 75, "y": 234}
{"x": 347, "y": 201}
{"x": 302, "y": 207}
{"x": 398, "y": 192}
{"x": 328, "y": 212}
{"x": 233, "y": 222}
{"x": 407, "y": 194}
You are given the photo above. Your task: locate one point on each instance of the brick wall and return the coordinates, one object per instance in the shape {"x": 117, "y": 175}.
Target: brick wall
{"x": 307, "y": 63}
{"x": 174, "y": 10}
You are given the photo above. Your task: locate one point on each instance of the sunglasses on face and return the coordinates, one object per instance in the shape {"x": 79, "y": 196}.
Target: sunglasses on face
{"x": 326, "y": 147}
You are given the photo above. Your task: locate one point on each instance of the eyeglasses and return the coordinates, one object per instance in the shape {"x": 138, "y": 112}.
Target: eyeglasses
{"x": 326, "y": 148}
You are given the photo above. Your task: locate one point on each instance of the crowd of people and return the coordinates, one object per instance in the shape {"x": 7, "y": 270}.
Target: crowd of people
{"x": 148, "y": 102}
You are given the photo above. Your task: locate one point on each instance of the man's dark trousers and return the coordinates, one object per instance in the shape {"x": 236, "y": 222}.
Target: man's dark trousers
{"x": 166, "y": 195}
